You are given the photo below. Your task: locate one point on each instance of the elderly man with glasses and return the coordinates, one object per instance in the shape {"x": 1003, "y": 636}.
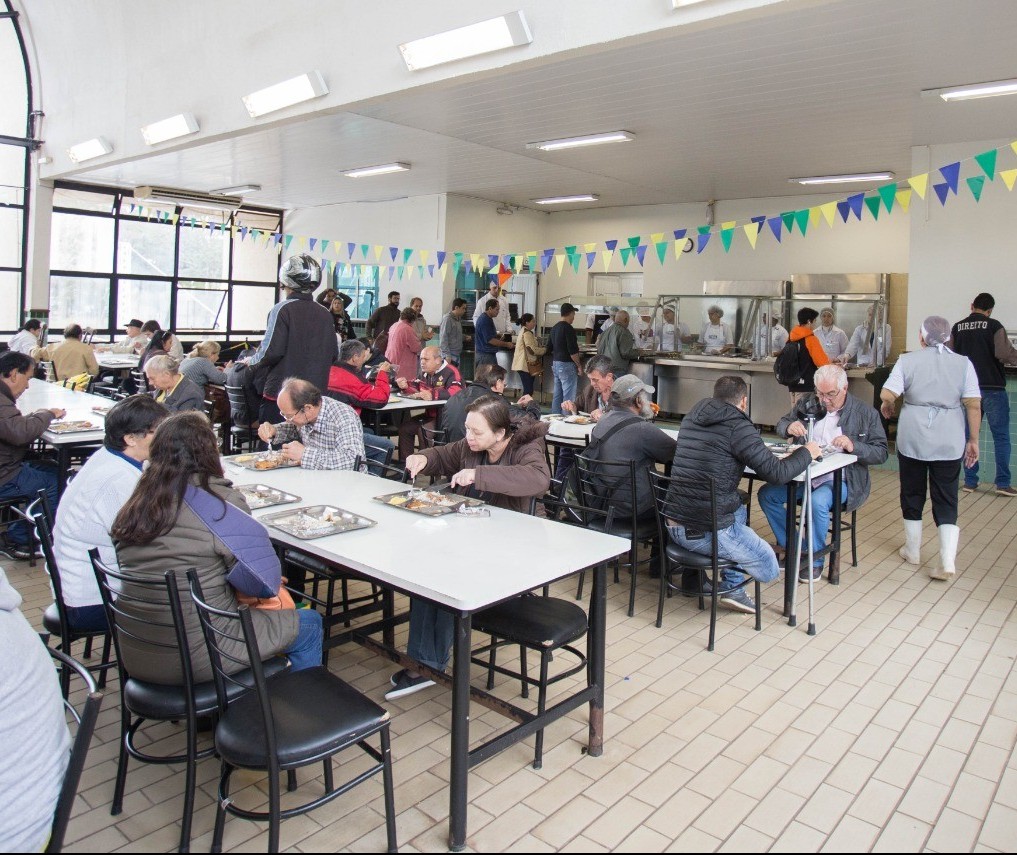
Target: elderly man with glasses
{"x": 850, "y": 425}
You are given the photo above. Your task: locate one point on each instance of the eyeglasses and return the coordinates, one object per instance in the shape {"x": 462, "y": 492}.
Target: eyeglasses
{"x": 291, "y": 416}
{"x": 828, "y": 396}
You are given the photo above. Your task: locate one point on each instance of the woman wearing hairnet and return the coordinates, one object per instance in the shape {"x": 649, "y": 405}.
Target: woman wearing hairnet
{"x": 939, "y": 388}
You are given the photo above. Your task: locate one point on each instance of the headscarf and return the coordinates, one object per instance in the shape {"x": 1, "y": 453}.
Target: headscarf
{"x": 936, "y": 332}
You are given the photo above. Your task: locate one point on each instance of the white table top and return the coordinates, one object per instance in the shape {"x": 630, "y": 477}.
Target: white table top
{"x": 117, "y": 360}
{"x": 41, "y": 395}
{"x": 396, "y": 402}
{"x": 462, "y": 562}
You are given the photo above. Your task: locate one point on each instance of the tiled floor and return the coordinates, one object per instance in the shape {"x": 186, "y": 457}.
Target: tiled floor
{"x": 893, "y": 729}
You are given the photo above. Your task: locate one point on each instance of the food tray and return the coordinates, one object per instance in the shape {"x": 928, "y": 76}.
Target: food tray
{"x": 426, "y": 502}
{"x": 317, "y": 521}
{"x": 102, "y": 410}
{"x": 261, "y": 461}
{"x": 71, "y": 427}
{"x": 578, "y": 420}
{"x": 261, "y": 496}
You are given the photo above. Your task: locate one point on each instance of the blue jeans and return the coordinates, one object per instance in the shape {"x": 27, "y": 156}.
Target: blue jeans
{"x": 305, "y": 652}
{"x": 30, "y": 479}
{"x": 431, "y": 633}
{"x": 773, "y": 501}
{"x": 566, "y": 382}
{"x": 737, "y": 543}
{"x": 376, "y": 448}
{"x": 996, "y": 409}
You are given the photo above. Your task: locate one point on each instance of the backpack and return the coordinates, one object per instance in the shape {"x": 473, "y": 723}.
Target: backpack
{"x": 790, "y": 366}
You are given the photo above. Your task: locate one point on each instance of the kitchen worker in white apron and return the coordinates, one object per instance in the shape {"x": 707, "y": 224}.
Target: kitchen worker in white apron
{"x": 670, "y": 333}
{"x": 832, "y": 337}
{"x": 716, "y": 336}
{"x": 868, "y": 346}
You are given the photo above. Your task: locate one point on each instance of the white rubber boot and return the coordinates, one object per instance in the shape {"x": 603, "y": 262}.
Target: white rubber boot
{"x": 949, "y": 536}
{"x": 911, "y": 551}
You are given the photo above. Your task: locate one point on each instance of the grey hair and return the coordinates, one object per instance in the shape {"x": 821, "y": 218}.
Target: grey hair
{"x": 162, "y": 365}
{"x": 600, "y": 364}
{"x": 715, "y": 308}
{"x": 935, "y": 330}
{"x": 832, "y": 374}
{"x": 618, "y": 318}
{"x": 351, "y": 349}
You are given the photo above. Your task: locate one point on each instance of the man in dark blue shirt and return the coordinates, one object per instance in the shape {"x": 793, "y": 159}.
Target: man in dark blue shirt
{"x": 565, "y": 353}
{"x": 488, "y": 340}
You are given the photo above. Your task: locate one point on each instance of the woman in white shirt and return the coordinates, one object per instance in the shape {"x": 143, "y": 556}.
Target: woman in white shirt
{"x": 27, "y": 337}
{"x": 868, "y": 346}
{"x": 833, "y": 338}
{"x": 716, "y": 336}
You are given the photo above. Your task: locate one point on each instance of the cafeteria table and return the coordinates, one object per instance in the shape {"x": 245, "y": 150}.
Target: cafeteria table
{"x": 457, "y": 581}
{"x": 400, "y": 403}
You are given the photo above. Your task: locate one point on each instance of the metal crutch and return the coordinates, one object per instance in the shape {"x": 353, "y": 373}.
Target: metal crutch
{"x": 810, "y": 418}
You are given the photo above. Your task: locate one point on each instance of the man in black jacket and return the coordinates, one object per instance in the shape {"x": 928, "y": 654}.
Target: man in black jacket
{"x": 718, "y": 440}
{"x": 488, "y": 379}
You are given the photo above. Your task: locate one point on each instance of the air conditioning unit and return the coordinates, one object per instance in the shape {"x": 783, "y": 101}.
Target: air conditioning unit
{"x": 188, "y": 198}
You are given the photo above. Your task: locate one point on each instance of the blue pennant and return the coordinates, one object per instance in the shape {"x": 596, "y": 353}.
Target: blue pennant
{"x": 951, "y": 174}
{"x": 775, "y": 224}
{"x": 942, "y": 190}
{"x": 855, "y": 204}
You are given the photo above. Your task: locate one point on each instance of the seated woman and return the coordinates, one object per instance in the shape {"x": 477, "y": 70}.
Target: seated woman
{"x": 199, "y": 367}
{"x": 506, "y": 466}
{"x": 162, "y": 528}
{"x": 161, "y": 344}
{"x": 170, "y": 388}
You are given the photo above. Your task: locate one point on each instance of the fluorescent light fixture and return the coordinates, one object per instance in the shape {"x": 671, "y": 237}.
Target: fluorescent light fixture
{"x": 510, "y": 30}
{"x": 843, "y": 179}
{"x": 286, "y": 94}
{"x": 237, "y": 190}
{"x": 380, "y": 169}
{"x": 975, "y": 90}
{"x": 563, "y": 200}
{"x": 90, "y": 148}
{"x": 169, "y": 129}
{"x": 577, "y": 142}
{"x": 677, "y": 4}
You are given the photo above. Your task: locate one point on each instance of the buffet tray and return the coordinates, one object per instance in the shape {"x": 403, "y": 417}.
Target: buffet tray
{"x": 268, "y": 460}
{"x": 428, "y": 503}
{"x": 72, "y": 427}
{"x": 260, "y": 496}
{"x": 315, "y": 521}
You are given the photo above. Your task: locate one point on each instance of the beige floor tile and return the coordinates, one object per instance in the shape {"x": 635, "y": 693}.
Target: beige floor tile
{"x": 1000, "y": 828}
{"x": 851, "y": 835}
{"x": 902, "y": 833}
{"x": 774, "y": 812}
{"x": 955, "y": 832}
{"x": 825, "y": 808}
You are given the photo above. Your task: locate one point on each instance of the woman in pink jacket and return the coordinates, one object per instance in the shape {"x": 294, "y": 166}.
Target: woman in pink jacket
{"x": 404, "y": 345}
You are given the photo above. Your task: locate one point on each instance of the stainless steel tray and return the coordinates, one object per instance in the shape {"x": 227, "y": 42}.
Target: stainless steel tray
{"x": 262, "y": 496}
{"x": 315, "y": 521}
{"x": 72, "y": 427}
{"x": 251, "y": 461}
{"x": 426, "y": 502}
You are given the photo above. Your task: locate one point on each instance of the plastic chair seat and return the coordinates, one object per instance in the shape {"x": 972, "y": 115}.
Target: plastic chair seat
{"x": 314, "y": 714}
{"x": 645, "y": 530}
{"x": 51, "y": 620}
{"x": 540, "y": 622}
{"x": 688, "y": 558}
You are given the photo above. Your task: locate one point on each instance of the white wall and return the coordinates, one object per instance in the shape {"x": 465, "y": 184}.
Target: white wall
{"x": 964, "y": 247}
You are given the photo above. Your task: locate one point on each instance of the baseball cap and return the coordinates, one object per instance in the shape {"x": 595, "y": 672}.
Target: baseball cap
{"x": 134, "y": 322}
{"x": 626, "y": 387}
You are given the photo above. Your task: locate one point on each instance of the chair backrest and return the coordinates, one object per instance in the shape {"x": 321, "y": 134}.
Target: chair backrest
{"x": 48, "y": 370}
{"x": 41, "y": 516}
{"x": 395, "y": 470}
{"x": 140, "y": 380}
{"x": 606, "y": 483}
{"x": 237, "y": 397}
{"x": 665, "y": 490}
{"x": 433, "y": 437}
{"x": 85, "y": 719}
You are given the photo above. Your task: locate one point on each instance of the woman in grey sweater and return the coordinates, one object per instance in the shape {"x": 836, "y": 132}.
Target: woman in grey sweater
{"x": 199, "y": 367}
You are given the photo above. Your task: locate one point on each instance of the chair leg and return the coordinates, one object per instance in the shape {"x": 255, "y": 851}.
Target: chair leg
{"x": 291, "y": 780}
{"x": 386, "y": 777}
{"x": 491, "y": 663}
{"x": 633, "y": 569}
{"x": 713, "y": 609}
{"x": 538, "y": 750}
{"x": 329, "y": 779}
{"x": 274, "y": 809}
{"x": 579, "y": 589}
{"x": 759, "y": 607}
{"x": 106, "y": 647}
{"x": 118, "y": 788}
{"x": 854, "y": 538}
{"x": 189, "y": 785}
{"x": 664, "y": 581}
{"x": 88, "y": 648}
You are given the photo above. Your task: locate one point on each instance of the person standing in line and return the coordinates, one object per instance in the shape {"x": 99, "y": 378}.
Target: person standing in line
{"x": 450, "y": 333}
{"x": 618, "y": 344}
{"x": 424, "y": 332}
{"x": 381, "y": 320}
{"x": 529, "y": 354}
{"x": 565, "y": 355}
{"x": 983, "y": 340}
{"x": 832, "y": 337}
{"x": 502, "y": 320}
{"x": 403, "y": 350}
{"x": 811, "y": 353}
{"x": 489, "y": 342}
{"x": 939, "y": 388}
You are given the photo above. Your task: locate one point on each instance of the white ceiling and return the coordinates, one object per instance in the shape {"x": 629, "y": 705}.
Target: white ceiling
{"x": 728, "y": 112}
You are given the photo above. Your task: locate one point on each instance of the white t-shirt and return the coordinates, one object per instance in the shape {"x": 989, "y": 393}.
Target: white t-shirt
{"x": 502, "y": 321}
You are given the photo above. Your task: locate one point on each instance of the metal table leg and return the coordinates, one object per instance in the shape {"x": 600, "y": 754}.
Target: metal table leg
{"x": 460, "y": 767}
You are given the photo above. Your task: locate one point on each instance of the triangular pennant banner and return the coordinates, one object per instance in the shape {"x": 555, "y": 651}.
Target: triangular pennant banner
{"x": 829, "y": 211}
{"x": 679, "y": 234}
{"x": 440, "y": 256}
{"x": 492, "y": 260}
{"x": 641, "y": 253}
{"x": 625, "y": 252}
{"x": 634, "y": 241}
{"x": 363, "y": 250}
{"x": 888, "y": 192}
{"x": 657, "y": 237}
{"x": 789, "y": 219}
{"x": 703, "y": 238}
{"x": 904, "y": 198}
{"x": 350, "y": 247}
{"x": 987, "y": 160}
{"x": 752, "y": 233}
{"x": 951, "y": 174}
{"x": 942, "y": 190}
{"x": 430, "y": 270}
{"x": 1008, "y": 176}
{"x": 920, "y": 183}
{"x": 559, "y": 260}
{"x": 975, "y": 184}
{"x": 611, "y": 244}
{"x": 775, "y": 224}
{"x": 407, "y": 253}
{"x": 324, "y": 246}
{"x": 1013, "y": 145}
{"x": 843, "y": 209}
{"x": 378, "y": 248}
{"x": 424, "y": 255}
{"x": 661, "y": 248}
{"x": 394, "y": 251}
{"x": 590, "y": 258}
{"x": 802, "y": 219}
{"x": 605, "y": 256}
{"x": 855, "y": 204}
{"x": 725, "y": 238}
{"x": 312, "y": 242}
{"x": 873, "y": 203}
{"x": 760, "y": 221}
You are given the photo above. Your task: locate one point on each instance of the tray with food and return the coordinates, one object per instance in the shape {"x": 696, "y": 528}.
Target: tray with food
{"x": 431, "y": 503}
{"x": 72, "y": 427}
{"x": 261, "y": 496}
{"x": 261, "y": 461}
{"x": 581, "y": 419}
{"x": 102, "y": 410}
{"x": 317, "y": 521}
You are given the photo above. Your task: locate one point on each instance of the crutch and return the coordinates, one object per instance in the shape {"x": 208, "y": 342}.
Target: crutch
{"x": 810, "y": 418}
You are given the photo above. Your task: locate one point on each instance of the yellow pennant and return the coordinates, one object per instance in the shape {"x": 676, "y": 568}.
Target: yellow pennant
{"x": 409, "y": 272}
{"x": 559, "y": 259}
{"x": 424, "y": 255}
{"x": 605, "y": 255}
{"x": 590, "y": 247}
{"x": 814, "y": 215}
{"x": 829, "y": 211}
{"x": 903, "y": 197}
{"x": 377, "y": 253}
{"x": 657, "y": 238}
{"x": 174, "y": 219}
{"x": 1013, "y": 145}
{"x": 1008, "y": 176}
{"x": 679, "y": 246}
{"x": 920, "y": 183}
{"x": 752, "y": 233}
{"x": 477, "y": 260}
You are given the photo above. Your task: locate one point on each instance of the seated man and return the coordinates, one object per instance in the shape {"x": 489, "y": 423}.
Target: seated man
{"x": 437, "y": 381}
{"x": 594, "y": 398}
{"x": 94, "y": 498}
{"x": 718, "y": 440}
{"x": 135, "y": 341}
{"x": 488, "y": 380}
{"x": 318, "y": 433}
{"x": 849, "y": 425}
{"x": 71, "y": 357}
{"x": 348, "y": 382}
{"x": 17, "y": 433}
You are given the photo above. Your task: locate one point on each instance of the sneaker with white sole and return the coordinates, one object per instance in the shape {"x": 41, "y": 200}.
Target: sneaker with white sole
{"x": 969, "y": 488}
{"x": 803, "y": 574}
{"x": 738, "y": 601}
{"x": 1009, "y": 492}
{"x": 403, "y": 684}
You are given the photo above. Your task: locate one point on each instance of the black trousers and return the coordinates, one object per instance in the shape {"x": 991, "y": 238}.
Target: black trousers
{"x": 941, "y": 477}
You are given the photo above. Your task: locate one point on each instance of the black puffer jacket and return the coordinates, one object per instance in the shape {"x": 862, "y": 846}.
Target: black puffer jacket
{"x": 453, "y": 415}
{"x": 718, "y": 440}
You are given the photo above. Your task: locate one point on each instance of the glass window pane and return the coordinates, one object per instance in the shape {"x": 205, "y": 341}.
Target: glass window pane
{"x": 362, "y": 287}
{"x": 78, "y": 300}
{"x": 81, "y": 243}
{"x": 144, "y": 299}
{"x": 12, "y": 174}
{"x": 11, "y": 220}
{"x": 251, "y": 305}
{"x": 201, "y": 306}
{"x": 204, "y": 253}
{"x": 255, "y": 260}
{"x": 10, "y": 299}
{"x": 145, "y": 248}
{"x": 14, "y": 103}
{"x": 82, "y": 200}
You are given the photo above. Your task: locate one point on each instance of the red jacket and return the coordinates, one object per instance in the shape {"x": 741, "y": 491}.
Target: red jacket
{"x": 352, "y": 387}
{"x": 443, "y": 384}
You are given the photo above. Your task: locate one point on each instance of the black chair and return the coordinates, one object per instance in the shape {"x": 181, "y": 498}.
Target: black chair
{"x": 139, "y": 381}
{"x": 433, "y": 437}
{"x": 284, "y": 722}
{"x": 85, "y": 720}
{"x": 675, "y": 559}
{"x": 13, "y": 509}
{"x": 55, "y": 620}
{"x": 240, "y": 435}
{"x": 395, "y": 471}
{"x": 126, "y": 599}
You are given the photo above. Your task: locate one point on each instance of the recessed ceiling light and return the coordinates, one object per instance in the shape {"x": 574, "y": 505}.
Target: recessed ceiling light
{"x": 380, "y": 169}
{"x": 168, "y": 129}
{"x": 90, "y": 148}
{"x": 237, "y": 190}
{"x": 576, "y": 142}
{"x": 971, "y": 91}
{"x": 286, "y": 94}
{"x": 843, "y": 179}
{"x": 510, "y": 30}
{"x": 562, "y": 200}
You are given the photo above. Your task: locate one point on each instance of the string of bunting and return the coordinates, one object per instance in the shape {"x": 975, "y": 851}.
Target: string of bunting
{"x": 350, "y": 257}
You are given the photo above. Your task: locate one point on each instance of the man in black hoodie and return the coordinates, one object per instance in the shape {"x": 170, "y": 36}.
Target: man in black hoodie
{"x": 717, "y": 440}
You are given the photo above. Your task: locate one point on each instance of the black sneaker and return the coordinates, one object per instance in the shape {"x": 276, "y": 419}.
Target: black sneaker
{"x": 404, "y": 684}
{"x": 817, "y": 574}
{"x": 969, "y": 488}
{"x": 14, "y": 550}
{"x": 739, "y": 601}
{"x": 1009, "y": 492}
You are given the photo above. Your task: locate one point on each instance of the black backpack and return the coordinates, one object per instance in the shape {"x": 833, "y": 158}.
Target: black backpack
{"x": 790, "y": 366}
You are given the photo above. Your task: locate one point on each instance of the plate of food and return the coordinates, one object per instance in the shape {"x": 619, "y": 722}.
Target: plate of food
{"x": 430, "y": 503}
{"x": 261, "y": 496}
{"x": 261, "y": 461}
{"x": 102, "y": 410}
{"x": 71, "y": 427}
{"x": 580, "y": 419}
{"x": 317, "y": 521}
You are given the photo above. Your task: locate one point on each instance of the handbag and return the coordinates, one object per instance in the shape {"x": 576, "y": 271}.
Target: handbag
{"x": 534, "y": 366}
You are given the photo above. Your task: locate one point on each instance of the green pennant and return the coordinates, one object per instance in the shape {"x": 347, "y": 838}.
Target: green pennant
{"x": 625, "y": 253}
{"x": 399, "y": 272}
{"x": 704, "y": 230}
{"x": 287, "y": 241}
{"x": 789, "y": 220}
{"x": 802, "y": 219}
{"x": 634, "y": 241}
{"x": 725, "y": 238}
{"x": 987, "y": 160}
{"x": 531, "y": 258}
{"x": 661, "y": 250}
{"x": 324, "y": 246}
{"x": 364, "y": 248}
{"x": 976, "y": 184}
{"x": 574, "y": 261}
{"x": 888, "y": 193}
{"x": 406, "y": 255}
{"x": 872, "y": 203}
